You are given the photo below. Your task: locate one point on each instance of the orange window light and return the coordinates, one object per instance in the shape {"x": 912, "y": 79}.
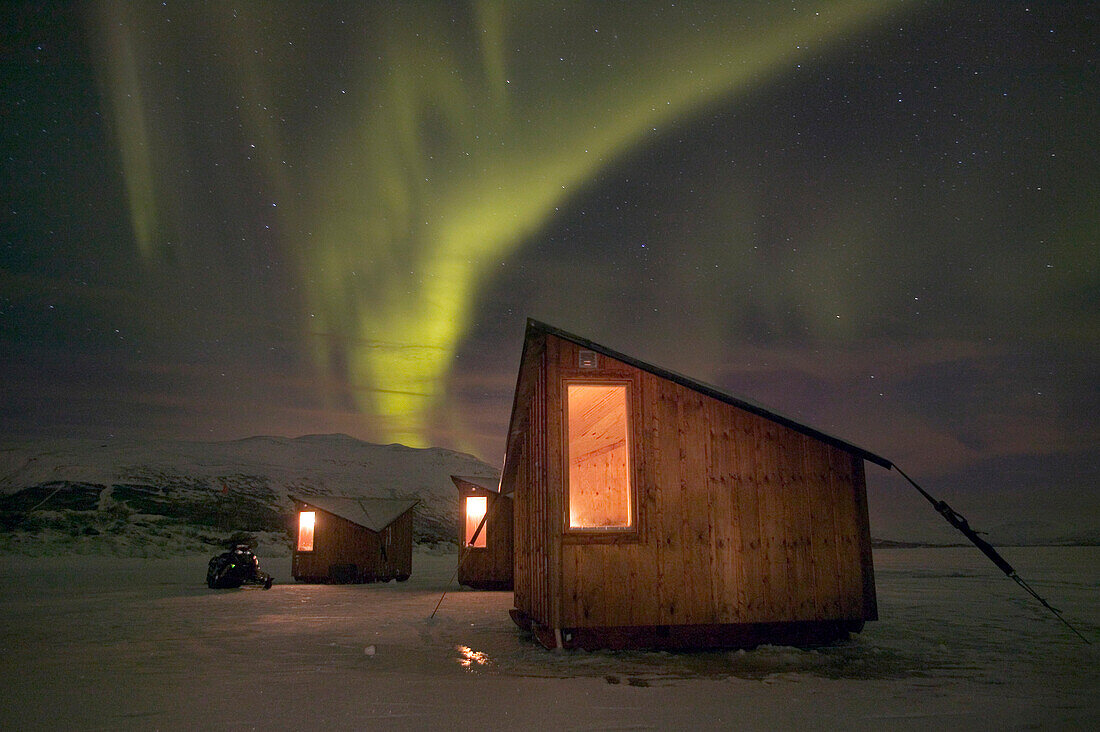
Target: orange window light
{"x": 475, "y": 511}
{"x": 306, "y": 520}
{"x": 598, "y": 447}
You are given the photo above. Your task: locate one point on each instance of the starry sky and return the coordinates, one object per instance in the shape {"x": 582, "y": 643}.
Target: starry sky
{"x": 878, "y": 218}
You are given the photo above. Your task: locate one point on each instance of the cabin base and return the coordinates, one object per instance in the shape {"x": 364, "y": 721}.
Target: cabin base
{"x": 350, "y": 574}
{"x": 691, "y": 637}
{"x": 520, "y": 618}
{"x": 482, "y": 584}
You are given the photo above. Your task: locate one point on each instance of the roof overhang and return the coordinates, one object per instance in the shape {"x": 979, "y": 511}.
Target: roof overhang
{"x": 534, "y": 346}
{"x": 370, "y": 513}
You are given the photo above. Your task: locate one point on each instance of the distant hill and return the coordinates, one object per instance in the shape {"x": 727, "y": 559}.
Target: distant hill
{"x": 1040, "y": 533}
{"x": 169, "y": 497}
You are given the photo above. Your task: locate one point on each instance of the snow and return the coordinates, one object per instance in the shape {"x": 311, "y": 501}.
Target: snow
{"x": 202, "y": 491}
{"x": 102, "y": 642}
{"x": 110, "y": 625}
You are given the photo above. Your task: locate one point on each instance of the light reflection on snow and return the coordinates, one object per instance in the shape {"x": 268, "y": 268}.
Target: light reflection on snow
{"x": 470, "y": 659}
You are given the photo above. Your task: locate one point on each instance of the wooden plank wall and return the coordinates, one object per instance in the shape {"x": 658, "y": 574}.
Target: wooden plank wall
{"x": 493, "y": 562}
{"x": 740, "y": 519}
{"x": 522, "y": 571}
{"x": 521, "y": 559}
{"x": 339, "y": 541}
{"x": 532, "y": 512}
{"x": 398, "y": 538}
{"x": 863, "y": 519}
{"x": 336, "y": 541}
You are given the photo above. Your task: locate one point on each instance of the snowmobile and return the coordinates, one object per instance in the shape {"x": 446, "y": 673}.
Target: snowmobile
{"x": 234, "y": 568}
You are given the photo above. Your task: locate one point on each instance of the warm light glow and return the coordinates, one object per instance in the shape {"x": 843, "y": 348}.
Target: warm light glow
{"x": 475, "y": 511}
{"x": 600, "y": 476}
{"x": 306, "y": 519}
{"x": 469, "y": 658}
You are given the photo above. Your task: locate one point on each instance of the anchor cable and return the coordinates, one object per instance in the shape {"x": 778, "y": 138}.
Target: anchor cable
{"x": 458, "y": 566}
{"x": 957, "y": 520}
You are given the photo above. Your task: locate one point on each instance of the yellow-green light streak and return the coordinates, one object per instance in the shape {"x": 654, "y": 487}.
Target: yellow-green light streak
{"x": 125, "y": 93}
{"x": 513, "y": 154}
{"x": 456, "y": 138}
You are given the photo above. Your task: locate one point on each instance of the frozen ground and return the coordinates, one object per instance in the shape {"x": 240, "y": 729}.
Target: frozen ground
{"x": 115, "y": 643}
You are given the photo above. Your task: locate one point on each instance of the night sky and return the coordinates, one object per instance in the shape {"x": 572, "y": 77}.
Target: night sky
{"x": 880, "y": 219}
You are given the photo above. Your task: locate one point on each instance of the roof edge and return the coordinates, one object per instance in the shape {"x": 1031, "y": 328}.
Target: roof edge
{"x": 711, "y": 391}
{"x": 478, "y": 481}
{"x": 412, "y": 503}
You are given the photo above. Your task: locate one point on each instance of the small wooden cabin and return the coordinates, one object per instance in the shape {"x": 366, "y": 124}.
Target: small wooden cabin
{"x": 485, "y": 557}
{"x": 652, "y": 510}
{"x": 348, "y": 540}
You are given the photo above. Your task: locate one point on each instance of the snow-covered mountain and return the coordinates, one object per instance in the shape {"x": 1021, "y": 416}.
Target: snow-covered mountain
{"x": 128, "y": 497}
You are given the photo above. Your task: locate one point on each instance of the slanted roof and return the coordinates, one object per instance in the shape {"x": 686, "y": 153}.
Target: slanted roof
{"x": 490, "y": 484}
{"x": 535, "y": 328}
{"x": 372, "y": 513}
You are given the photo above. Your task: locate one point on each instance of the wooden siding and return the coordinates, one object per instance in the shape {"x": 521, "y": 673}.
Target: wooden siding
{"x": 489, "y": 567}
{"x": 740, "y": 519}
{"x": 383, "y": 555}
{"x": 532, "y": 568}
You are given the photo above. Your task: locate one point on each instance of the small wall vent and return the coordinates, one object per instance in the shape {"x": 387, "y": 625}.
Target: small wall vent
{"x": 586, "y": 359}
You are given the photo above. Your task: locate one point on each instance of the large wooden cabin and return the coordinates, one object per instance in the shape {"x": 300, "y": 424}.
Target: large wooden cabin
{"x": 346, "y": 540}
{"x": 654, "y": 511}
{"x": 485, "y": 556}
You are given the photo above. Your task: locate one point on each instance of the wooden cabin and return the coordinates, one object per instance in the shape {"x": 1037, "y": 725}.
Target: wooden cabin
{"x": 349, "y": 540}
{"x": 485, "y": 556}
{"x": 652, "y": 510}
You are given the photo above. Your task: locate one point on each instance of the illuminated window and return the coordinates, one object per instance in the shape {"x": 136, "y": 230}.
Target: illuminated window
{"x": 475, "y": 511}
{"x": 306, "y": 520}
{"x": 600, "y": 482}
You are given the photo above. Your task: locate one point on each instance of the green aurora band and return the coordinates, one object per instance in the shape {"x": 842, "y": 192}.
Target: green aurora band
{"x": 454, "y": 137}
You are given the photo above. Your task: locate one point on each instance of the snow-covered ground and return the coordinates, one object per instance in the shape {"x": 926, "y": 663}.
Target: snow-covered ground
{"x": 98, "y": 642}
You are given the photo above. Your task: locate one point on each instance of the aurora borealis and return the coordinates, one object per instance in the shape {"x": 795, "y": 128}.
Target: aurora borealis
{"x": 451, "y": 151}
{"x": 227, "y": 219}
